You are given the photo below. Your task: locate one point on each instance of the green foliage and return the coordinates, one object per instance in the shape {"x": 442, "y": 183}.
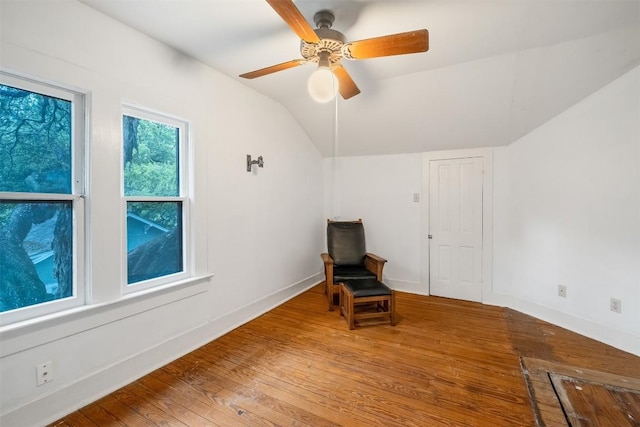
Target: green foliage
{"x": 5, "y": 213}
{"x": 31, "y": 124}
{"x": 152, "y": 168}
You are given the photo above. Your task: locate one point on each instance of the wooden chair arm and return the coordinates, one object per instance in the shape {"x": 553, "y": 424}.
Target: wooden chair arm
{"x": 376, "y": 258}
{"x": 328, "y": 269}
{"x": 326, "y": 259}
{"x": 374, "y": 264}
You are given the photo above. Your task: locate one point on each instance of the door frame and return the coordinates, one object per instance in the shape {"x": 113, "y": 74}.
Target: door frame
{"x": 486, "y": 154}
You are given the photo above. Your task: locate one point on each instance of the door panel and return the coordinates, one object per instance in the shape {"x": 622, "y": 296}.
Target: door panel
{"x": 455, "y": 215}
{"x": 466, "y": 264}
{"x": 444, "y": 263}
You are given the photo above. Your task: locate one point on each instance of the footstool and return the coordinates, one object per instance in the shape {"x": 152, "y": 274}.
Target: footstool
{"x": 367, "y": 299}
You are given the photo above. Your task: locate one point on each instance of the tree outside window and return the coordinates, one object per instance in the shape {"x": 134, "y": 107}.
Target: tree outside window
{"x": 36, "y": 198}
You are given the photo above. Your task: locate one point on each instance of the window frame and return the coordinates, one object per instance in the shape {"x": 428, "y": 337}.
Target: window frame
{"x": 79, "y": 173}
{"x": 184, "y": 196}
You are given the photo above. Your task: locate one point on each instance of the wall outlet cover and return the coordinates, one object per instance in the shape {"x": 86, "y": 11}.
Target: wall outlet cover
{"x": 44, "y": 373}
{"x": 616, "y": 305}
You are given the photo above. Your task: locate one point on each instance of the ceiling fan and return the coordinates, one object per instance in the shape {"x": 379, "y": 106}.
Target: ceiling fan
{"x": 327, "y": 47}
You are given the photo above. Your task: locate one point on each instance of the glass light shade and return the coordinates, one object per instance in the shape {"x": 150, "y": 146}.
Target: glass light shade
{"x": 322, "y": 85}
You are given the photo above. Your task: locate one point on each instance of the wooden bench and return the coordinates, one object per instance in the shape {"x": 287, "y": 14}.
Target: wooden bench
{"x": 367, "y": 299}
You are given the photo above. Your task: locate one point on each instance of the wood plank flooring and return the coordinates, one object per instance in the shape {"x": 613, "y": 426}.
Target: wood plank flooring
{"x": 445, "y": 363}
{"x": 576, "y": 396}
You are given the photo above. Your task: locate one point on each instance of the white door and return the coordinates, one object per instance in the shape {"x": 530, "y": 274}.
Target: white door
{"x": 455, "y": 228}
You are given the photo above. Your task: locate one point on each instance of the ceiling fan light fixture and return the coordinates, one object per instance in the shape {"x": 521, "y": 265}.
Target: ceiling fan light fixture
{"x": 323, "y": 84}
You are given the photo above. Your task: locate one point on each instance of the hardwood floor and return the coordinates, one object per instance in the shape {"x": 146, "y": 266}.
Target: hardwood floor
{"x": 445, "y": 363}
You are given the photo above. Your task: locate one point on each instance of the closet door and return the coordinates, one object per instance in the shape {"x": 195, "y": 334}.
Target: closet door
{"x": 455, "y": 228}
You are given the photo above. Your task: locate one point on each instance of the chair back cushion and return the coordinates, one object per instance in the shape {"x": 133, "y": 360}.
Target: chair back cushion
{"x": 346, "y": 244}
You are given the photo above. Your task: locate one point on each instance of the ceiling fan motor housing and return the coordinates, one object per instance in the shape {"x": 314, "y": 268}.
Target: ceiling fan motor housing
{"x": 324, "y": 19}
{"x": 331, "y": 41}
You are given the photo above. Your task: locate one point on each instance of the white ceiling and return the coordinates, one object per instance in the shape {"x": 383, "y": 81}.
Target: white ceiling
{"x": 495, "y": 70}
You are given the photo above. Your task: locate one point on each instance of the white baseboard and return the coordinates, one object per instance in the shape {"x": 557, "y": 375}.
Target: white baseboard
{"x": 615, "y": 338}
{"x": 54, "y": 406}
{"x": 406, "y": 286}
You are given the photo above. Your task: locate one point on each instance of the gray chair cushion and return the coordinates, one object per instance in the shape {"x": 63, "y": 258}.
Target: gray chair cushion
{"x": 367, "y": 288}
{"x": 346, "y": 244}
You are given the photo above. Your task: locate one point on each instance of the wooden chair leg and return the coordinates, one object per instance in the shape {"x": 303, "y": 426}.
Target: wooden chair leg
{"x": 351, "y": 311}
{"x": 341, "y": 300}
{"x": 392, "y": 308}
{"x": 330, "y": 296}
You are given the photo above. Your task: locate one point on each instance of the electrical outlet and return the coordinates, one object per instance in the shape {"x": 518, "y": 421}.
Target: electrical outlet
{"x": 562, "y": 291}
{"x": 44, "y": 373}
{"x": 616, "y": 305}
{"x": 416, "y": 197}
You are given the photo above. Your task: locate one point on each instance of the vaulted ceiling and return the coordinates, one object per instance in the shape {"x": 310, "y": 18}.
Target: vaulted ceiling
{"x": 495, "y": 69}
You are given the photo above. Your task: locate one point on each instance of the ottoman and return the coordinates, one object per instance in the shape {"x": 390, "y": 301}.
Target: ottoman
{"x": 367, "y": 299}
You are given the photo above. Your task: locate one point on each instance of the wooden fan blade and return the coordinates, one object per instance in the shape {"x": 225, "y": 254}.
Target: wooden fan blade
{"x": 292, "y": 16}
{"x": 274, "y": 68}
{"x": 346, "y": 85}
{"x": 394, "y": 44}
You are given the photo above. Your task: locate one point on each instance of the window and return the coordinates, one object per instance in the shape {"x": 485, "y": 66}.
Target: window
{"x": 41, "y": 205}
{"x": 156, "y": 204}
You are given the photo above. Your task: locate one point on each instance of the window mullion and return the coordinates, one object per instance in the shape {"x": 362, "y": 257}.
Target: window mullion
{"x": 38, "y": 196}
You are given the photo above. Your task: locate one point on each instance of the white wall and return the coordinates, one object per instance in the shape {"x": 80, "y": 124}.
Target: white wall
{"x": 259, "y": 233}
{"x": 380, "y": 189}
{"x": 567, "y": 211}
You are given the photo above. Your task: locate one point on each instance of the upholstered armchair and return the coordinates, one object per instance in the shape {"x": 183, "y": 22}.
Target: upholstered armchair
{"x": 347, "y": 257}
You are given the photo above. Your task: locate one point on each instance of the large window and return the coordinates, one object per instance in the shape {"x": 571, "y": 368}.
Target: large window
{"x": 155, "y": 197}
{"x": 41, "y": 205}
